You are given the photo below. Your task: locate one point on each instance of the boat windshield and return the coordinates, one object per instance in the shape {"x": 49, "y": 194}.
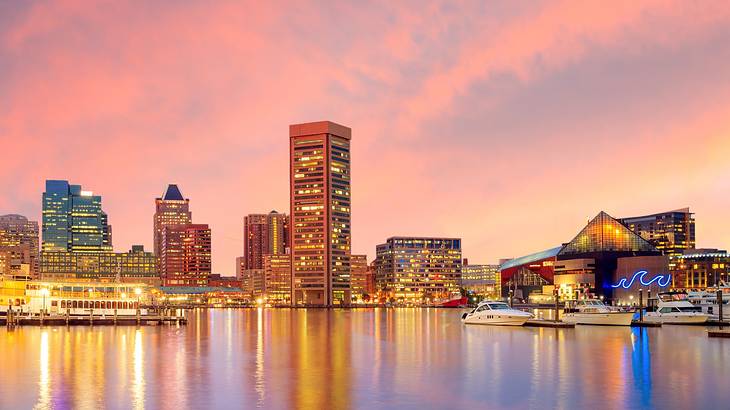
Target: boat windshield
{"x": 690, "y": 309}
{"x": 498, "y": 306}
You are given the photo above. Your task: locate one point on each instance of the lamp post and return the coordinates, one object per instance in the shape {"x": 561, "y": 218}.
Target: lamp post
{"x": 641, "y": 305}
{"x": 138, "y": 292}
{"x": 44, "y": 293}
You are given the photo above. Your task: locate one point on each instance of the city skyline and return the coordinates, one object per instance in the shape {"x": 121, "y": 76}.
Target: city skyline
{"x": 508, "y": 149}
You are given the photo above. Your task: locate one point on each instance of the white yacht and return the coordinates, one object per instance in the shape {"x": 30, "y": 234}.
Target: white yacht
{"x": 594, "y": 312}
{"x": 674, "y": 308}
{"x": 707, "y": 301}
{"x": 495, "y": 313}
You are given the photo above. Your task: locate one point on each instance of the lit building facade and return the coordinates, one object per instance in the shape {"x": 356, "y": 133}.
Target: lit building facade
{"x": 700, "y": 269}
{"x": 671, "y": 232}
{"x": 135, "y": 266}
{"x": 484, "y": 281}
{"x": 264, "y": 234}
{"x": 320, "y": 235}
{"x": 362, "y": 278}
{"x": 185, "y": 255}
{"x": 606, "y": 259}
{"x": 73, "y": 220}
{"x": 170, "y": 209}
{"x": 18, "y": 245}
{"x": 277, "y": 276}
{"x": 417, "y": 269}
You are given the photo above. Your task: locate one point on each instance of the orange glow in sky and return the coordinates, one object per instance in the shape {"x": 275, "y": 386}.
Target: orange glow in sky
{"x": 508, "y": 124}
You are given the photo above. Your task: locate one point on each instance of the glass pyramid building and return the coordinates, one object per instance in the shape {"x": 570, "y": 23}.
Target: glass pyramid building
{"x": 605, "y": 234}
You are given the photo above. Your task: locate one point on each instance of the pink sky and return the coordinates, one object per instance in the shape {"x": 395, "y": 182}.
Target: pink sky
{"x": 505, "y": 123}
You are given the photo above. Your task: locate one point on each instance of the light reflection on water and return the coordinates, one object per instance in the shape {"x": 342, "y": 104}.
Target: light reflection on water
{"x": 381, "y": 358}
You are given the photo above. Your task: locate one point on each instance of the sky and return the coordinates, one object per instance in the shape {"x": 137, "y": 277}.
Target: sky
{"x": 506, "y": 123}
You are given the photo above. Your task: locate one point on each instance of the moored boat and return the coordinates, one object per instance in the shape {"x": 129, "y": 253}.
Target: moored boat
{"x": 594, "y": 312}
{"x": 495, "y": 313}
{"x": 674, "y": 308}
{"x": 73, "y": 298}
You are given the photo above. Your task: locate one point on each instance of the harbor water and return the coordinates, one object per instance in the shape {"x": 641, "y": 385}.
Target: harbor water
{"x": 359, "y": 359}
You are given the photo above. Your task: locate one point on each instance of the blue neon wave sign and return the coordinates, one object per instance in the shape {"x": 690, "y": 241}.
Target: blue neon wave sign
{"x": 661, "y": 280}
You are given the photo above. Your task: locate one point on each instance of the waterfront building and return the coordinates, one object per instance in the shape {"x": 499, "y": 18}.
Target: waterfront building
{"x": 418, "y": 269}
{"x": 670, "y": 232}
{"x": 185, "y": 256}
{"x": 604, "y": 240}
{"x": 73, "y": 220}
{"x": 264, "y": 234}
{"x": 216, "y": 280}
{"x": 483, "y": 281}
{"x": 593, "y": 263}
{"x": 700, "y": 268}
{"x": 320, "y": 236}
{"x": 18, "y": 246}
{"x": 529, "y": 273}
{"x": 134, "y": 266}
{"x": 253, "y": 282}
{"x": 277, "y": 277}
{"x": 362, "y": 278}
{"x": 170, "y": 209}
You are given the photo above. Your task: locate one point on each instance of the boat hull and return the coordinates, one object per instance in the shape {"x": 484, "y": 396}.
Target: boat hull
{"x": 496, "y": 321}
{"x": 675, "y": 318}
{"x": 606, "y": 318}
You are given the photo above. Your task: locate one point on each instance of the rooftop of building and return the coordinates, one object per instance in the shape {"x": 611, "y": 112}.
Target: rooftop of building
{"x": 319, "y": 127}
{"x": 172, "y": 193}
{"x": 684, "y": 210}
{"x": 533, "y": 257}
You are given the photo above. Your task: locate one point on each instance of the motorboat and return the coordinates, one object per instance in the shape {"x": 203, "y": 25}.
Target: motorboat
{"x": 594, "y": 312}
{"x": 495, "y": 313}
{"x": 707, "y": 300}
{"x": 675, "y": 308}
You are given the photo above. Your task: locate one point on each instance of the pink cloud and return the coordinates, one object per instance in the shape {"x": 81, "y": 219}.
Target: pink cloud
{"x": 127, "y": 98}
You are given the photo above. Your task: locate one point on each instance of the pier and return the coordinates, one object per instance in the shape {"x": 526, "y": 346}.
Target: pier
{"x": 549, "y": 323}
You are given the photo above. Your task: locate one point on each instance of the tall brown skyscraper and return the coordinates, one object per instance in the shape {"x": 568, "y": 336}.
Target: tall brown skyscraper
{"x": 185, "y": 255}
{"x": 319, "y": 231}
{"x": 171, "y": 209}
{"x": 264, "y": 234}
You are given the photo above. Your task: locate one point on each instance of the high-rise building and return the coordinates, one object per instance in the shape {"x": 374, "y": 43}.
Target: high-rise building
{"x": 263, "y": 234}
{"x": 19, "y": 245}
{"x": 134, "y": 266}
{"x": 185, "y": 255}
{"x": 418, "y": 269}
{"x": 73, "y": 220}
{"x": 362, "y": 277}
{"x": 670, "y": 232}
{"x": 277, "y": 276}
{"x": 170, "y": 209}
{"x": 320, "y": 195}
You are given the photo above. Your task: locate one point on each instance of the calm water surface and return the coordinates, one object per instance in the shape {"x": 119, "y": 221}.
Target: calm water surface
{"x": 409, "y": 358}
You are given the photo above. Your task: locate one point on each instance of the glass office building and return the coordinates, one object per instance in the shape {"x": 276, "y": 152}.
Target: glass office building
{"x": 418, "y": 270}
{"x": 73, "y": 220}
{"x": 671, "y": 232}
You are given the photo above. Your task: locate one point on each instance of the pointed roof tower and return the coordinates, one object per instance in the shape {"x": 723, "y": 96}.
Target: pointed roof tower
{"x": 604, "y": 233}
{"x": 173, "y": 193}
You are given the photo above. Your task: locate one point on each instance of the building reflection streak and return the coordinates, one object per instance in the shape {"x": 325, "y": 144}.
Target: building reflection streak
{"x": 138, "y": 385}
{"x": 260, "y": 390}
{"x": 44, "y": 379}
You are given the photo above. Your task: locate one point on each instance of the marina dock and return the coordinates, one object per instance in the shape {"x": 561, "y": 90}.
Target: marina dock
{"x": 91, "y": 320}
{"x": 549, "y": 323}
{"x": 719, "y": 333}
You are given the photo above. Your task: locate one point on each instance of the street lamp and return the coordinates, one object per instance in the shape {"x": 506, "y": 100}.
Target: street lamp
{"x": 138, "y": 292}
{"x": 44, "y": 293}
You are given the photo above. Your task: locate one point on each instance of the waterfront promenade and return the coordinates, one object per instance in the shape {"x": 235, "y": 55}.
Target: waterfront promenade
{"x": 365, "y": 358}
